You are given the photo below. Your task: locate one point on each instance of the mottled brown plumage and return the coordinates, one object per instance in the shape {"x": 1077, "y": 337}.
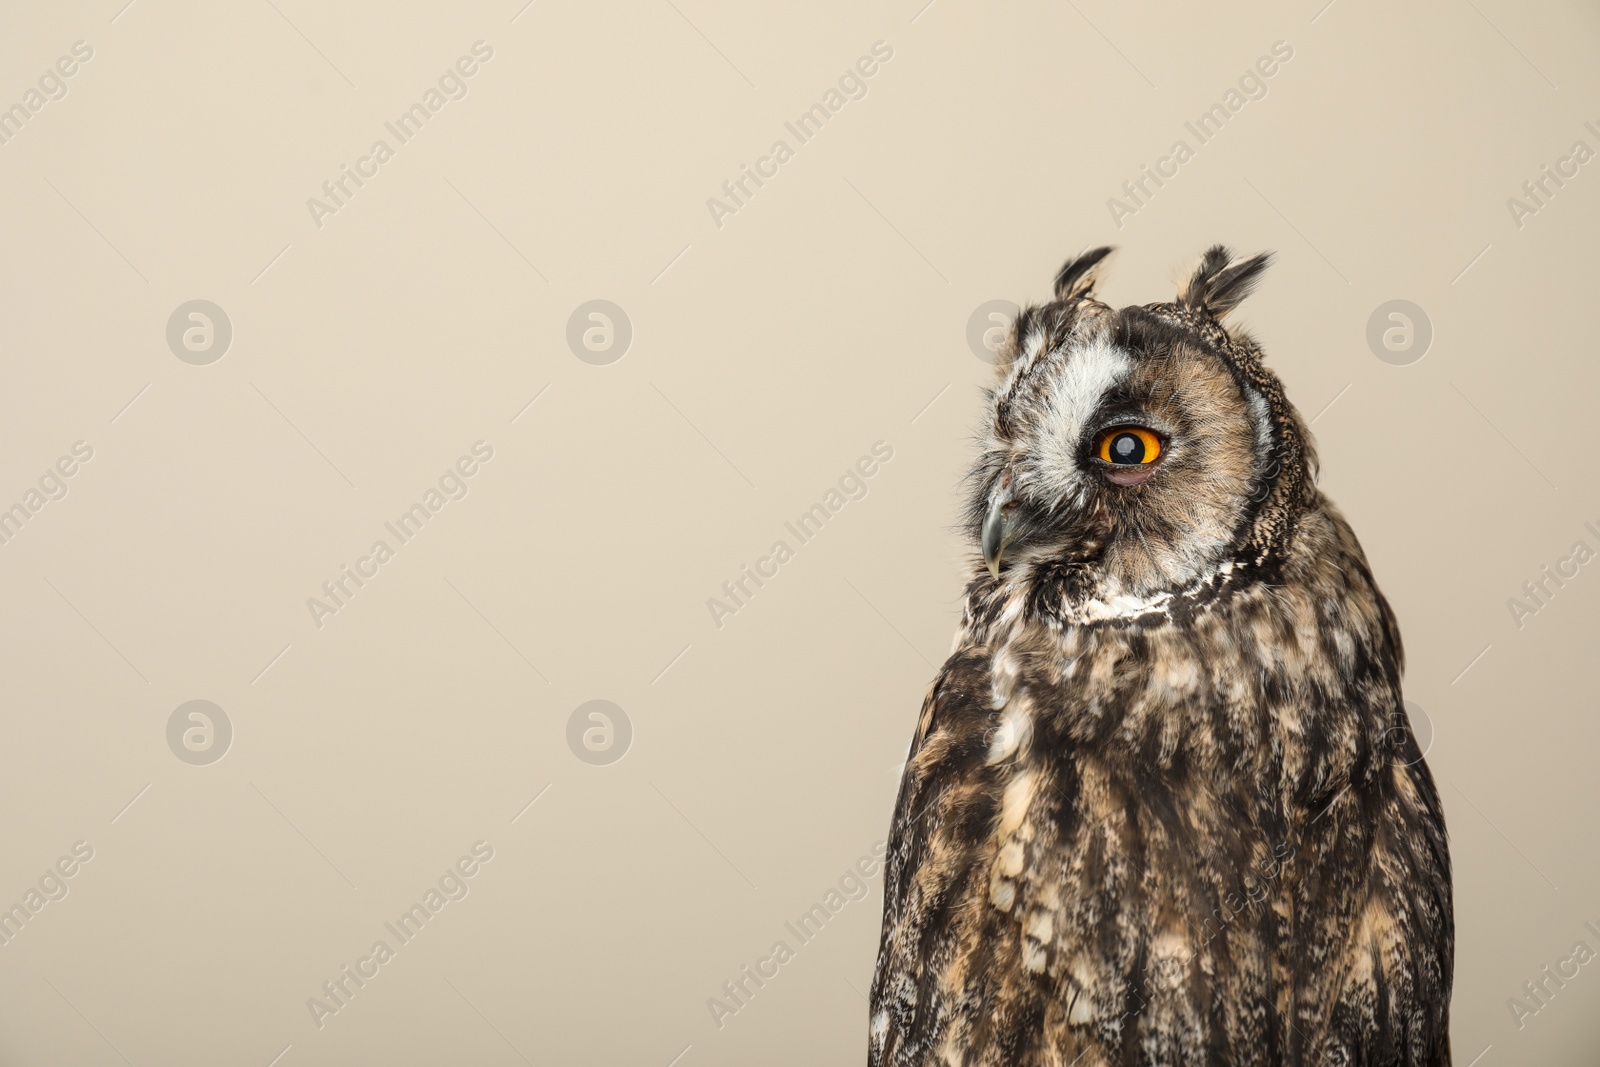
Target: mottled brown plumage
{"x": 1161, "y": 806}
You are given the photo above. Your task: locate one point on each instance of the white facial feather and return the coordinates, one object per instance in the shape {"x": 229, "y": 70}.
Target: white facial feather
{"x": 1089, "y": 371}
{"x": 1261, "y": 415}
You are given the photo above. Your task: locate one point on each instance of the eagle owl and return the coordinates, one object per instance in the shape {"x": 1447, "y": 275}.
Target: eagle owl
{"x": 1161, "y": 807}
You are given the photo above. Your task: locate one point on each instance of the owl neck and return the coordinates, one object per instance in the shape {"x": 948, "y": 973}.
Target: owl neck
{"x": 1292, "y": 681}
{"x": 1061, "y": 595}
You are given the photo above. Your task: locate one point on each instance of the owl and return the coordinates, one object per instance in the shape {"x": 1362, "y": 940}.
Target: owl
{"x": 1161, "y": 806}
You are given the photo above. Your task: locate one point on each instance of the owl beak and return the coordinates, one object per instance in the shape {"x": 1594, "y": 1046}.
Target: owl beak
{"x": 998, "y": 528}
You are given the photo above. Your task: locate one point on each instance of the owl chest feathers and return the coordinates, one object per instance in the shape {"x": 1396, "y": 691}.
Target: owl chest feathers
{"x": 1116, "y": 751}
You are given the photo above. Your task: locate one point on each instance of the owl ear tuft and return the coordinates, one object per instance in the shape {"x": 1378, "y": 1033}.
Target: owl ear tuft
{"x": 1077, "y": 275}
{"x": 1219, "y": 284}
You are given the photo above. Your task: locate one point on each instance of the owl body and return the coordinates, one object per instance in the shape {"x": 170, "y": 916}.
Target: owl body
{"x": 1161, "y": 806}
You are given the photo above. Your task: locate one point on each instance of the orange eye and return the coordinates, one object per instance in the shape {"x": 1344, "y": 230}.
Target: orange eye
{"x": 1129, "y": 446}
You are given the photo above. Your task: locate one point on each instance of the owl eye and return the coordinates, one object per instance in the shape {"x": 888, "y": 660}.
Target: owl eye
{"x": 1128, "y": 446}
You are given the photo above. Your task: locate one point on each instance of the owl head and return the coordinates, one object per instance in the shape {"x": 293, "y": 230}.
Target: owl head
{"x": 1134, "y": 453}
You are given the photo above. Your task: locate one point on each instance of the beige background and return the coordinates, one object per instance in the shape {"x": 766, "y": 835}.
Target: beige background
{"x": 767, "y": 355}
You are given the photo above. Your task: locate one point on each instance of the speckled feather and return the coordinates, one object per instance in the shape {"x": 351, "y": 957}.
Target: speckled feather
{"x": 1160, "y": 805}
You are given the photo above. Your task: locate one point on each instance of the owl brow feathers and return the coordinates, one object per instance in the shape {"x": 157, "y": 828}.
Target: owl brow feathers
{"x": 1078, "y": 275}
{"x": 1033, "y": 333}
{"x": 1218, "y": 285}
